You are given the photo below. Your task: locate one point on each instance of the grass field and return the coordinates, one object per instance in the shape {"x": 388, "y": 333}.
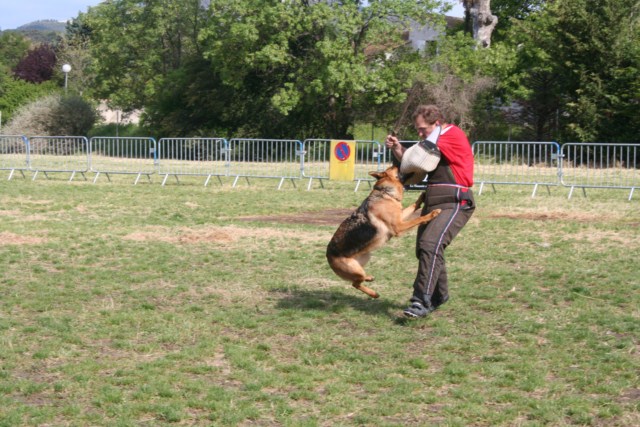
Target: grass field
{"x": 126, "y": 305}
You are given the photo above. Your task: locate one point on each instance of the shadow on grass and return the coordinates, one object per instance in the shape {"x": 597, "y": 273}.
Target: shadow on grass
{"x": 336, "y": 301}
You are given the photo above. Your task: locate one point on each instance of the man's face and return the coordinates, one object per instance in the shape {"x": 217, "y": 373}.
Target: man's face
{"x": 423, "y": 128}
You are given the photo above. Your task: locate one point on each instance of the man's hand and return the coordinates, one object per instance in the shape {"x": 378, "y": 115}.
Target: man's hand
{"x": 391, "y": 141}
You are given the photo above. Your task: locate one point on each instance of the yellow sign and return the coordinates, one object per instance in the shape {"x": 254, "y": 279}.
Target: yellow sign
{"x": 342, "y": 164}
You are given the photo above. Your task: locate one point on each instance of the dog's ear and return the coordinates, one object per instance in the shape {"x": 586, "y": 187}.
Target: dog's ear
{"x": 376, "y": 175}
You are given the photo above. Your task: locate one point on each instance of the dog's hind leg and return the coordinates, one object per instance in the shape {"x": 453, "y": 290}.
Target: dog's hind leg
{"x": 351, "y": 269}
{"x": 362, "y": 260}
{"x": 359, "y": 286}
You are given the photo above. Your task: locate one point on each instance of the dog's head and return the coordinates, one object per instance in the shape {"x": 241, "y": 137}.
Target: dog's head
{"x": 389, "y": 181}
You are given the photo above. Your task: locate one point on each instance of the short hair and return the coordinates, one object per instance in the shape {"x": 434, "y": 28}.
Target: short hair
{"x": 430, "y": 114}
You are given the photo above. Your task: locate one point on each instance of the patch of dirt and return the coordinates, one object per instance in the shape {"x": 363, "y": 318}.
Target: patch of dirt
{"x": 220, "y": 235}
{"x": 632, "y": 395}
{"x": 7, "y": 238}
{"x": 549, "y": 216}
{"x": 183, "y": 235}
{"x": 331, "y": 217}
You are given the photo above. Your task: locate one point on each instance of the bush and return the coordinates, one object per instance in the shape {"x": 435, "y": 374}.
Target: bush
{"x": 73, "y": 116}
{"x": 16, "y": 93}
{"x": 122, "y": 130}
{"x": 53, "y": 115}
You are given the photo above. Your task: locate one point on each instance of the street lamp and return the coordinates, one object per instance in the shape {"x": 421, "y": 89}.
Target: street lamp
{"x": 65, "y": 69}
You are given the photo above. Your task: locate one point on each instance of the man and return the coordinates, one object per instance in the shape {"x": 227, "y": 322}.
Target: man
{"x": 448, "y": 189}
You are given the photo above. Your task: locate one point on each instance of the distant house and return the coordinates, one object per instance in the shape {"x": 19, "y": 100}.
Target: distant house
{"x": 419, "y": 35}
{"x": 117, "y": 116}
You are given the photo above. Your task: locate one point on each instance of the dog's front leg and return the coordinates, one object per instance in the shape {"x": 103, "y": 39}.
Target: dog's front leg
{"x": 420, "y": 200}
{"x": 411, "y": 211}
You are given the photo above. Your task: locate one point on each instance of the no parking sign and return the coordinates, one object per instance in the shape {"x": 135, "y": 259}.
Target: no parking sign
{"x": 343, "y": 160}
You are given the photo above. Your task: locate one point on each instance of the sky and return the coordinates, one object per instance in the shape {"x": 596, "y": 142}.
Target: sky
{"x": 14, "y": 13}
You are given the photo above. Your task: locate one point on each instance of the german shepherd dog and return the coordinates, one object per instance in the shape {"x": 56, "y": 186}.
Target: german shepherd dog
{"x": 379, "y": 218}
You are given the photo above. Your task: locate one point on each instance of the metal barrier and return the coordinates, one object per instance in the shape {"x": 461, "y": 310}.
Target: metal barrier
{"x": 519, "y": 163}
{"x": 265, "y": 158}
{"x": 369, "y": 156}
{"x": 589, "y": 165}
{"x": 14, "y": 154}
{"x": 315, "y": 162}
{"x": 120, "y": 155}
{"x": 50, "y": 154}
{"x": 574, "y": 165}
{"x": 193, "y": 156}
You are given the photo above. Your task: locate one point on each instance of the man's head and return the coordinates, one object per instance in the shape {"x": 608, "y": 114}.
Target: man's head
{"x": 425, "y": 119}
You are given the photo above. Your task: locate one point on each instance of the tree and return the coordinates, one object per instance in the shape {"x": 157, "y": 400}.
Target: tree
{"x": 38, "y": 65}
{"x": 480, "y": 20}
{"x": 13, "y": 47}
{"x": 74, "y": 49}
{"x": 510, "y": 11}
{"x": 135, "y": 45}
{"x": 578, "y": 71}
{"x": 255, "y": 67}
{"x": 311, "y": 66}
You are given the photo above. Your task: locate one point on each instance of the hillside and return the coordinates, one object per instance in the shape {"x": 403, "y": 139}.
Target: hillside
{"x": 44, "y": 31}
{"x": 48, "y": 25}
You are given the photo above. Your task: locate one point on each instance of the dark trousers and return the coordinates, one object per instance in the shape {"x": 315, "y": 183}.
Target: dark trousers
{"x": 431, "y": 285}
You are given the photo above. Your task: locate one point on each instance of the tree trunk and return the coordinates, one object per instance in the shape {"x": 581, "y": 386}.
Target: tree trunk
{"x": 478, "y": 14}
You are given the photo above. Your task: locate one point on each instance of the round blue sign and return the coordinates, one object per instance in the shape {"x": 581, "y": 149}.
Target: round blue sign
{"x": 342, "y": 151}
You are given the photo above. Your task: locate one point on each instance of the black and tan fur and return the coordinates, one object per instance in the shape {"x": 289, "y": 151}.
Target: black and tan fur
{"x": 379, "y": 218}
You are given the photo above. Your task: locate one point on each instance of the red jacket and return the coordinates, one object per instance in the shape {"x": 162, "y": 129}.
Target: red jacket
{"x": 457, "y": 157}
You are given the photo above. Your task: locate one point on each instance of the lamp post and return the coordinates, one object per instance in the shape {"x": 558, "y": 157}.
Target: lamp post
{"x": 65, "y": 69}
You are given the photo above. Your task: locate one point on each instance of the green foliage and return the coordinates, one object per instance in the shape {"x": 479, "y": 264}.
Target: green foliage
{"x": 510, "y": 11}
{"x": 13, "y": 47}
{"x": 253, "y": 67}
{"x": 314, "y": 69}
{"x": 74, "y": 50}
{"x": 74, "y": 116}
{"x": 135, "y": 45}
{"x": 121, "y": 130}
{"x": 15, "y": 93}
{"x": 318, "y": 66}
{"x": 578, "y": 70}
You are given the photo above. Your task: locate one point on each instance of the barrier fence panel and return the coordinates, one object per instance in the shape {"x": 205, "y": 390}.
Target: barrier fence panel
{"x": 49, "y": 154}
{"x": 123, "y": 155}
{"x": 317, "y": 154}
{"x": 14, "y": 154}
{"x": 193, "y": 156}
{"x": 370, "y": 157}
{"x": 590, "y": 165}
{"x": 516, "y": 163}
{"x": 265, "y": 158}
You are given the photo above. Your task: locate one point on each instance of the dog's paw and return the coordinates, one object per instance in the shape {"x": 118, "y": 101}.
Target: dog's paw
{"x": 428, "y": 217}
{"x": 434, "y": 213}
